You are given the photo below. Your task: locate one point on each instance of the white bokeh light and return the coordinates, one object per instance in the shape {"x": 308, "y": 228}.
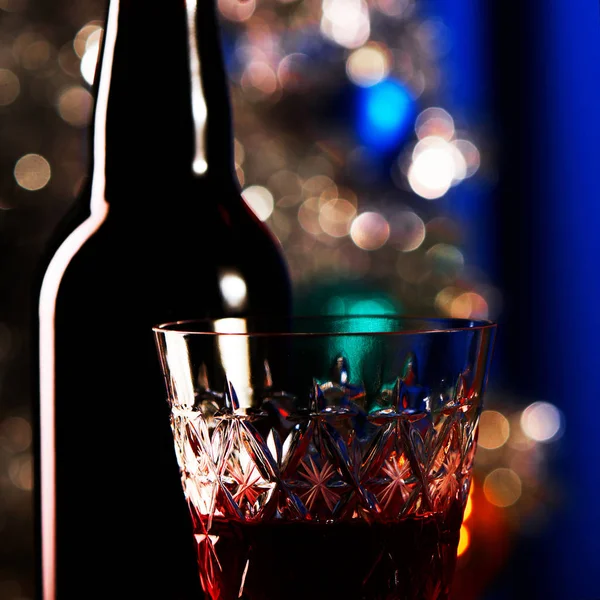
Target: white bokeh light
{"x": 542, "y": 422}
{"x": 346, "y": 22}
{"x": 90, "y": 56}
{"x": 436, "y": 166}
{"x": 260, "y": 200}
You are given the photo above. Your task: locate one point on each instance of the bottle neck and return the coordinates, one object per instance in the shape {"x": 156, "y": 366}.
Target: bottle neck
{"x": 162, "y": 111}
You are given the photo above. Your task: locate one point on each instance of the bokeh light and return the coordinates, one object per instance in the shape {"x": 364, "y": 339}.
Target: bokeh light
{"x": 32, "y": 172}
{"x": 10, "y": 87}
{"x": 335, "y": 217}
{"x": 68, "y": 60}
{"x": 35, "y": 56}
{"x": 436, "y": 166}
{"x": 282, "y": 225}
{"x": 469, "y": 505}
{"x": 239, "y": 153}
{"x": 384, "y": 113}
{"x": 469, "y": 305}
{"x": 395, "y": 8}
{"x": 360, "y": 303}
{"x": 445, "y": 297}
{"x": 446, "y": 259}
{"x": 237, "y": 10}
{"x": 542, "y": 422}
{"x": 15, "y": 434}
{"x": 75, "y": 105}
{"x": 518, "y": 440}
{"x": 463, "y": 541}
{"x": 502, "y": 487}
{"x": 240, "y": 175}
{"x": 260, "y": 200}
{"x": 293, "y": 72}
{"x": 286, "y": 187}
{"x": 320, "y": 184}
{"x": 315, "y": 164}
{"x": 370, "y": 231}
{"x": 20, "y": 471}
{"x": 259, "y": 80}
{"x": 89, "y": 60}
{"x": 434, "y": 122}
{"x": 21, "y": 42}
{"x": 494, "y": 430}
{"x": 470, "y": 154}
{"x": 371, "y": 306}
{"x": 368, "y": 65}
{"x": 407, "y": 231}
{"x": 346, "y": 22}
{"x": 308, "y": 216}
{"x": 80, "y": 43}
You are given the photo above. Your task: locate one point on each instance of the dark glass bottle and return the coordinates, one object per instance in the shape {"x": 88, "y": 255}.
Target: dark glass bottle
{"x": 160, "y": 233}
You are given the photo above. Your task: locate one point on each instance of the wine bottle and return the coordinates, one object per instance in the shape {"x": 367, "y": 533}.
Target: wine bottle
{"x": 160, "y": 232}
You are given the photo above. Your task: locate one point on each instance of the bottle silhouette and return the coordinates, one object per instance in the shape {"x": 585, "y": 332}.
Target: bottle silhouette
{"x": 160, "y": 232}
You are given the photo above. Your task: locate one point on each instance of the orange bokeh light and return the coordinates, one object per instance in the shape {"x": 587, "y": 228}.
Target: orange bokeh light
{"x": 464, "y": 540}
{"x": 469, "y": 505}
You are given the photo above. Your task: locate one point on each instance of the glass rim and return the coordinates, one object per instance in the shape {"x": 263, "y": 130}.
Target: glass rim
{"x": 433, "y": 325}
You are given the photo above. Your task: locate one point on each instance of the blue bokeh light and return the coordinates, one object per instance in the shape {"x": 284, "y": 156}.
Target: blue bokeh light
{"x": 386, "y": 111}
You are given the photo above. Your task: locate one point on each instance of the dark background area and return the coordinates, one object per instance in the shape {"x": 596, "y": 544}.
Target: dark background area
{"x": 517, "y": 241}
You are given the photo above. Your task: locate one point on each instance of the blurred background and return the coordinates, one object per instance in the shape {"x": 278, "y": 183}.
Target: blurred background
{"x": 426, "y": 156}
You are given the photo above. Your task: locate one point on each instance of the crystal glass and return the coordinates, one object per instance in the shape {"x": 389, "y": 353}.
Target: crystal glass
{"x": 326, "y": 458}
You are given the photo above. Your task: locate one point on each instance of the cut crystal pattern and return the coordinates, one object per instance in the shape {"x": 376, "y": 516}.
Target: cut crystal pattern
{"x": 364, "y": 467}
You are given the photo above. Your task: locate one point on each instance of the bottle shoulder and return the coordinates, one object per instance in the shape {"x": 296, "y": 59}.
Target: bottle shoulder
{"x": 204, "y": 209}
{"x": 175, "y": 258}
